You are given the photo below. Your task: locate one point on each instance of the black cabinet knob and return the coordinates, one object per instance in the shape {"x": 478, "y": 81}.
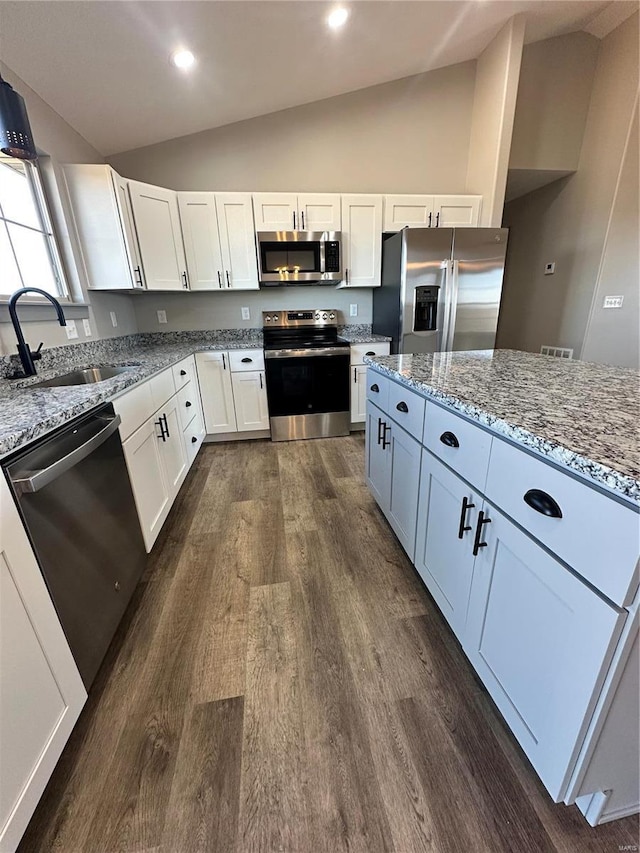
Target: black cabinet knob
{"x": 371, "y": 352}
{"x": 449, "y": 439}
{"x": 193, "y": 439}
{"x": 374, "y": 388}
{"x": 188, "y": 404}
{"x": 542, "y": 503}
{"x": 183, "y": 373}
{"x": 247, "y": 360}
{"x": 402, "y": 407}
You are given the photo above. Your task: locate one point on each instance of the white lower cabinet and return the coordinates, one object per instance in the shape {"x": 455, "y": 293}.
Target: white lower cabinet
{"x": 172, "y": 452}
{"x": 250, "y": 400}
{"x": 214, "y": 376}
{"x": 447, "y": 515}
{"x": 358, "y": 393}
{"x": 540, "y": 639}
{"x": 41, "y": 692}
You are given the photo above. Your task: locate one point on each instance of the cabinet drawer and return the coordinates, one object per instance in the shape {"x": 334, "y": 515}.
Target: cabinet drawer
{"x": 246, "y": 359}
{"x": 162, "y": 388}
{"x": 358, "y": 351}
{"x": 406, "y": 408}
{"x": 193, "y": 437}
{"x": 188, "y": 404}
{"x": 595, "y": 535}
{"x": 463, "y": 446}
{"x": 134, "y": 407}
{"x": 184, "y": 372}
{"x": 377, "y": 389}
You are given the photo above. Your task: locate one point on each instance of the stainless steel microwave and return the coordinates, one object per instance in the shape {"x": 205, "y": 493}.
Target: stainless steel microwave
{"x": 299, "y": 257}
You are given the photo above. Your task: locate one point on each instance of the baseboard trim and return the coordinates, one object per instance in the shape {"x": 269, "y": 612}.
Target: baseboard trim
{"x": 237, "y": 436}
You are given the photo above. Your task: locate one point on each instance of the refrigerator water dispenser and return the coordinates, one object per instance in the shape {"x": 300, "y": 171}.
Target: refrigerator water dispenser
{"x": 425, "y": 313}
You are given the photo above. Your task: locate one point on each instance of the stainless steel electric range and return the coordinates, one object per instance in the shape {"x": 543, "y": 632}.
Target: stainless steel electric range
{"x": 307, "y": 370}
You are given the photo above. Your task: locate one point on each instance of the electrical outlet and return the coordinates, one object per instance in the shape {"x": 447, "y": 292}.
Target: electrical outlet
{"x": 246, "y": 315}
{"x": 549, "y": 269}
{"x": 613, "y": 302}
{"x": 353, "y": 310}
{"x": 71, "y": 330}
{"x": 114, "y": 319}
{"x": 162, "y": 316}
{"x": 86, "y": 325}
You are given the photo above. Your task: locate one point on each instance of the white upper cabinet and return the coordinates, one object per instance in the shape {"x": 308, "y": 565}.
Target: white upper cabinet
{"x": 361, "y": 240}
{"x": 430, "y": 211}
{"x": 297, "y": 212}
{"x": 237, "y": 241}
{"x": 157, "y": 222}
{"x": 104, "y": 222}
{"x": 219, "y": 240}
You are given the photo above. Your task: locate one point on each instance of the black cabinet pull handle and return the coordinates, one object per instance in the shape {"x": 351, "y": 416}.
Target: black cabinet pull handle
{"x": 402, "y": 407}
{"x": 477, "y": 544}
{"x": 462, "y": 527}
{"x": 379, "y": 429}
{"x": 542, "y": 503}
{"x": 166, "y": 425}
{"x": 437, "y": 219}
{"x": 224, "y": 363}
{"x": 375, "y": 388}
{"x": 183, "y": 373}
{"x": 449, "y": 439}
{"x": 193, "y": 439}
{"x": 247, "y": 360}
{"x": 371, "y": 352}
{"x": 430, "y": 217}
{"x": 261, "y": 385}
{"x": 385, "y": 443}
{"x": 188, "y": 404}
{"x": 160, "y": 423}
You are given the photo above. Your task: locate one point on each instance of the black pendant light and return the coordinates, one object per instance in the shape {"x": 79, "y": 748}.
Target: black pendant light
{"x": 16, "y": 139}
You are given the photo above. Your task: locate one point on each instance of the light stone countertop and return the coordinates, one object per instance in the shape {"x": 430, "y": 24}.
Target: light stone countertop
{"x": 581, "y": 416}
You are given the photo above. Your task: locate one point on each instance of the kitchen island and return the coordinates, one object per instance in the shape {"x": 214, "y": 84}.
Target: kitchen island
{"x": 512, "y": 482}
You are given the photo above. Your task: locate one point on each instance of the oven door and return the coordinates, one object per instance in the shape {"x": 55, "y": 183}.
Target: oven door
{"x": 308, "y": 394}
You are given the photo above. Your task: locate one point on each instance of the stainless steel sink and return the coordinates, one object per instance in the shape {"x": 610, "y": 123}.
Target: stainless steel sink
{"x": 88, "y": 376}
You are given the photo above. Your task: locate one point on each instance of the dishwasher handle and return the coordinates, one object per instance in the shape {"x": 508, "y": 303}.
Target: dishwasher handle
{"x": 39, "y": 479}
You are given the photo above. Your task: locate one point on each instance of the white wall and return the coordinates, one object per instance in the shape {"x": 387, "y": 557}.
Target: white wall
{"x": 492, "y": 121}
{"x": 63, "y": 144}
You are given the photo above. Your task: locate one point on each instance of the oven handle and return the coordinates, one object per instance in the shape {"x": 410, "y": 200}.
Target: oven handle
{"x": 39, "y": 479}
{"x": 306, "y": 353}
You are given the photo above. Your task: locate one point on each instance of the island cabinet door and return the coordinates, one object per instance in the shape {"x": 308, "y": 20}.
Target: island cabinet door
{"x": 404, "y": 482}
{"x": 378, "y": 459}
{"x": 540, "y": 640}
{"x": 447, "y": 515}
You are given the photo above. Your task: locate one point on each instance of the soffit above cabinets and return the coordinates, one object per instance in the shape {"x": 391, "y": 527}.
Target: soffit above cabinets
{"x": 104, "y": 66}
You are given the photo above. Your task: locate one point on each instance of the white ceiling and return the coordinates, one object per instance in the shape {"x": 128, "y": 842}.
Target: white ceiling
{"x": 103, "y": 66}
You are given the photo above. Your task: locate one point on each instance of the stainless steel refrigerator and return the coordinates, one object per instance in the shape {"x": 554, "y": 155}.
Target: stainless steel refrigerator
{"x": 441, "y": 288}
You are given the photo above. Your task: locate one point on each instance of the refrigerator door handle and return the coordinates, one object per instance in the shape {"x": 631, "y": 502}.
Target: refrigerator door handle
{"x": 452, "y": 301}
{"x": 446, "y": 306}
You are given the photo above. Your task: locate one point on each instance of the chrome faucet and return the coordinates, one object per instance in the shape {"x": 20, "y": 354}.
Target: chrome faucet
{"x": 26, "y": 356}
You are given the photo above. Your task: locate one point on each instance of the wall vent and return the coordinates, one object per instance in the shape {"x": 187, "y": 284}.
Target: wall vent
{"x": 558, "y": 352}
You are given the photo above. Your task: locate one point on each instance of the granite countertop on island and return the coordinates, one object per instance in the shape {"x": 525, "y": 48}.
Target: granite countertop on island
{"x": 579, "y": 415}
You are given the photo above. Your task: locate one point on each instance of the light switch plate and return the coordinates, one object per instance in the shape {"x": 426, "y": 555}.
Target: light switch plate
{"x": 114, "y": 319}
{"x": 86, "y": 325}
{"x": 162, "y": 316}
{"x": 246, "y": 314}
{"x": 353, "y": 310}
{"x": 71, "y": 330}
{"x": 613, "y": 302}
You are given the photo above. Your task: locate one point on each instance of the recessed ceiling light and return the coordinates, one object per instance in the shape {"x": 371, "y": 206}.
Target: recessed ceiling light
{"x": 182, "y": 59}
{"x": 338, "y": 17}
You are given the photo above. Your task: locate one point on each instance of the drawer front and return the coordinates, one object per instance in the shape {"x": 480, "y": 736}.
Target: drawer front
{"x": 162, "y": 388}
{"x": 595, "y": 535}
{"x": 358, "y": 351}
{"x": 246, "y": 359}
{"x": 188, "y": 404}
{"x": 460, "y": 444}
{"x": 183, "y": 372}
{"x": 134, "y": 407}
{"x": 407, "y": 409}
{"x": 377, "y": 389}
{"x": 193, "y": 437}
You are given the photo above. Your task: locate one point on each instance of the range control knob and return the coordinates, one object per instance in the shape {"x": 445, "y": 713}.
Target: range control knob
{"x": 268, "y": 318}
{"x": 332, "y": 316}
{"x": 324, "y": 315}
{"x": 275, "y": 318}
{"x": 317, "y": 315}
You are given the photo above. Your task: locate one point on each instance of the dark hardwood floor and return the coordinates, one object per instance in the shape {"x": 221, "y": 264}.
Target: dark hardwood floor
{"x": 283, "y": 682}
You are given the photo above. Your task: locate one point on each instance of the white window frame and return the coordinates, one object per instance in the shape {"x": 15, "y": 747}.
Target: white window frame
{"x": 36, "y": 186}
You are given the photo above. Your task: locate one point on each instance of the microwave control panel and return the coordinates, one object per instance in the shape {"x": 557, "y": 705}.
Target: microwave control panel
{"x": 332, "y": 256}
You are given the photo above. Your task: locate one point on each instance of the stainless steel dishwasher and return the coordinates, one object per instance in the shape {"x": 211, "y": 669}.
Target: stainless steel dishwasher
{"x": 73, "y": 492}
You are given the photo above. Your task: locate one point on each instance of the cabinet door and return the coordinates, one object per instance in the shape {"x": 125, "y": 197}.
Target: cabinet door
{"x": 155, "y": 213}
{"x": 150, "y": 489}
{"x": 540, "y": 640}
{"x": 447, "y": 513}
{"x": 201, "y": 240}
{"x": 407, "y": 211}
{"x": 123, "y": 201}
{"x": 361, "y": 240}
{"x": 172, "y": 452}
{"x": 456, "y": 211}
{"x": 237, "y": 241}
{"x": 404, "y": 482}
{"x": 319, "y": 212}
{"x": 276, "y": 211}
{"x": 41, "y": 692}
{"x": 250, "y": 399}
{"x": 378, "y": 459}
{"x": 358, "y": 393}
{"x": 216, "y": 393}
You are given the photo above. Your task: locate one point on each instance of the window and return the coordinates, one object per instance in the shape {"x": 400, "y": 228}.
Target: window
{"x": 28, "y": 253}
